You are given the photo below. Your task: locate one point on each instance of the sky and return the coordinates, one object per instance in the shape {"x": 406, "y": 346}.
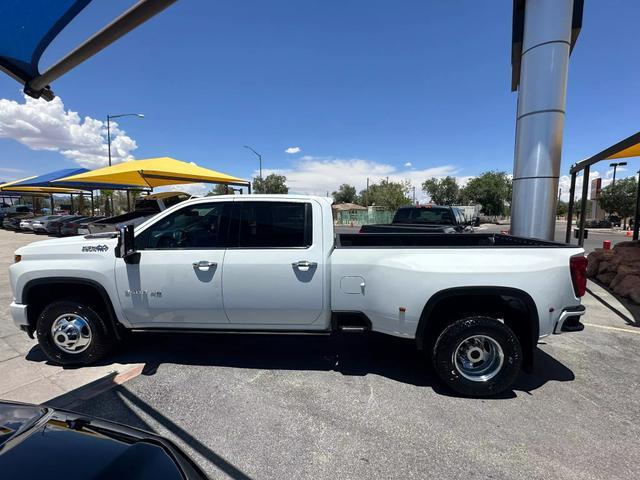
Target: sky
{"x": 328, "y": 91}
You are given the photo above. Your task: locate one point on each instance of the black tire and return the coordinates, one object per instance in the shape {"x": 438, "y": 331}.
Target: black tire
{"x": 102, "y": 339}
{"x": 455, "y": 334}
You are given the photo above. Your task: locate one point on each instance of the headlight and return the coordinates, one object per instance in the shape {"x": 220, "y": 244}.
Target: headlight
{"x": 17, "y": 258}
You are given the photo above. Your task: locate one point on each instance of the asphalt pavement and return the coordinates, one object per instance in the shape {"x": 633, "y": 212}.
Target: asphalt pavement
{"x": 368, "y": 406}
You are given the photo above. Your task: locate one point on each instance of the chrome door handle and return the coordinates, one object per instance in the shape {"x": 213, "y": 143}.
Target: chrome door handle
{"x": 204, "y": 265}
{"x": 304, "y": 264}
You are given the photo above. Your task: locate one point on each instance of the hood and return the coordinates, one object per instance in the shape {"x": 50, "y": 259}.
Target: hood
{"x": 66, "y": 245}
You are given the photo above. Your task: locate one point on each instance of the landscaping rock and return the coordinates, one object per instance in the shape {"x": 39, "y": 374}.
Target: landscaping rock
{"x": 606, "y": 278}
{"x": 629, "y": 284}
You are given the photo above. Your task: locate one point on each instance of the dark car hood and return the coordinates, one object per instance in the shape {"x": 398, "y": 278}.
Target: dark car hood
{"x": 38, "y": 442}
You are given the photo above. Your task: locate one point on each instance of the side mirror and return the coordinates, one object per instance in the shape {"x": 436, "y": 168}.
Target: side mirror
{"x": 126, "y": 247}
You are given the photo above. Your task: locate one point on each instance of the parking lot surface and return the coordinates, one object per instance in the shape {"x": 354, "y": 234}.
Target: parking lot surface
{"x": 367, "y": 406}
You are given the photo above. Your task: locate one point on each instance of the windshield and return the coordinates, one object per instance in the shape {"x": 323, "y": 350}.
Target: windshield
{"x": 437, "y": 215}
{"x": 15, "y": 419}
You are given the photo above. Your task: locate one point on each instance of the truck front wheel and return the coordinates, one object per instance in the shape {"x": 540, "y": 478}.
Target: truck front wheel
{"x": 71, "y": 333}
{"x": 477, "y": 356}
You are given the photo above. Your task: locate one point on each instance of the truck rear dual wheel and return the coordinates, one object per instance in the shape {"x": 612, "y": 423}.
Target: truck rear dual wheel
{"x": 71, "y": 333}
{"x": 477, "y": 356}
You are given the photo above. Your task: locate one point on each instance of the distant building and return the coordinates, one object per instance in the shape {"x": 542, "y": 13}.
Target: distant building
{"x": 346, "y": 212}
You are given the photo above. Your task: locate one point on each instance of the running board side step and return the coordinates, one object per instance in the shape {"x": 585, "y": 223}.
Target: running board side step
{"x": 350, "y": 322}
{"x": 352, "y": 328}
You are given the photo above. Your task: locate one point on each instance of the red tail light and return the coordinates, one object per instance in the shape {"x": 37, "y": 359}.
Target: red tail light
{"x": 578, "y": 267}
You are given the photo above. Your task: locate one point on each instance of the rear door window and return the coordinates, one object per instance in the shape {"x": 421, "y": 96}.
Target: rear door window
{"x": 272, "y": 224}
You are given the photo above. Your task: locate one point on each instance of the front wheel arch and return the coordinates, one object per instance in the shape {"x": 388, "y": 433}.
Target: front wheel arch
{"x": 40, "y": 292}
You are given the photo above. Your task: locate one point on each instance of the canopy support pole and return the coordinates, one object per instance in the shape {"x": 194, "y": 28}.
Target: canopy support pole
{"x": 636, "y": 227}
{"x": 52, "y": 204}
{"x": 92, "y": 207}
{"x": 128, "y": 202}
{"x": 583, "y": 204}
{"x": 71, "y": 194}
{"x": 572, "y": 200}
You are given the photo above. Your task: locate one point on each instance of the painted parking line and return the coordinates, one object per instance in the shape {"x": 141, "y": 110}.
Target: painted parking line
{"x": 618, "y": 329}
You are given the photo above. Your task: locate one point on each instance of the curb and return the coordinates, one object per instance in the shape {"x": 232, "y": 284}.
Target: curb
{"x": 81, "y": 394}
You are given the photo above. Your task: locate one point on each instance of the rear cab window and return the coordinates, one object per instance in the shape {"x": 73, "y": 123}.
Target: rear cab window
{"x": 271, "y": 225}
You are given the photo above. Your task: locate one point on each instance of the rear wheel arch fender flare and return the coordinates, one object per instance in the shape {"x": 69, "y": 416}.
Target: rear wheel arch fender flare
{"x": 448, "y": 293}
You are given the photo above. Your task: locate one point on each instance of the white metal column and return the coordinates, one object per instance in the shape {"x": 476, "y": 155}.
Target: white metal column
{"x": 540, "y": 119}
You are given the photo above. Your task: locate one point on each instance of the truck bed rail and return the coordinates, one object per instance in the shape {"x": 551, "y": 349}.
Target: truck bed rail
{"x": 441, "y": 240}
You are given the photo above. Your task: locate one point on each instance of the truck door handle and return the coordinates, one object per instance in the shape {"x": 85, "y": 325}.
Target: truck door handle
{"x": 204, "y": 265}
{"x": 304, "y": 265}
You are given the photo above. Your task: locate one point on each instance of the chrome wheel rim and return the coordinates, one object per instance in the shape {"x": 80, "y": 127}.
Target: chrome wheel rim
{"x": 71, "y": 333}
{"x": 478, "y": 358}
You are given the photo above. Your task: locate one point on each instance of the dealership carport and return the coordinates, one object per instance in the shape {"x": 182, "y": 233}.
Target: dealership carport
{"x": 17, "y": 188}
{"x": 151, "y": 173}
{"x": 629, "y": 147}
{"x": 45, "y": 181}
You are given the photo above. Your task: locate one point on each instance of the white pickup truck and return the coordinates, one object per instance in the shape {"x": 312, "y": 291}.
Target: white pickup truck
{"x": 477, "y": 303}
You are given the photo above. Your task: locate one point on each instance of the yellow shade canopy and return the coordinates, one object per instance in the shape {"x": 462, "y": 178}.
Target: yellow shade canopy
{"x": 632, "y": 151}
{"x": 152, "y": 172}
{"x": 8, "y": 187}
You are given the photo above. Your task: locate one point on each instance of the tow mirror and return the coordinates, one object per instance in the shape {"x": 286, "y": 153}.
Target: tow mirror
{"x": 126, "y": 248}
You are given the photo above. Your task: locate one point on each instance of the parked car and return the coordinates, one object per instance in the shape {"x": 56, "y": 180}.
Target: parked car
{"x": 25, "y": 224}
{"x": 477, "y": 303}
{"x": 13, "y": 211}
{"x": 12, "y": 221}
{"x": 424, "y": 219}
{"x": 70, "y": 227}
{"x": 39, "y": 225}
{"x": 53, "y": 227}
{"x": 83, "y": 226}
{"x": 615, "y": 220}
{"x": 144, "y": 208}
{"x": 34, "y": 440}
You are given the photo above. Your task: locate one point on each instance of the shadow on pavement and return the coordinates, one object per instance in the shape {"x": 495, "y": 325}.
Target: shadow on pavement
{"x": 355, "y": 355}
{"x": 120, "y": 402}
{"x": 634, "y": 310}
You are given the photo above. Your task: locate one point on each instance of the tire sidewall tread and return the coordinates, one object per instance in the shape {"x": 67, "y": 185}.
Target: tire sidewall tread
{"x": 450, "y": 338}
{"x": 101, "y": 342}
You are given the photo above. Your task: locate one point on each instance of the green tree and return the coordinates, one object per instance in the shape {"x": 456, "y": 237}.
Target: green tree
{"x": 562, "y": 208}
{"x": 272, "y": 183}
{"x": 391, "y": 195}
{"x": 345, "y": 194}
{"x": 443, "y": 191}
{"x": 619, "y": 198}
{"x": 220, "y": 189}
{"x": 491, "y": 189}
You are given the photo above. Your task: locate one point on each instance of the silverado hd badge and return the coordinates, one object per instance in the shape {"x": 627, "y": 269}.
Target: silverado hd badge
{"x": 95, "y": 248}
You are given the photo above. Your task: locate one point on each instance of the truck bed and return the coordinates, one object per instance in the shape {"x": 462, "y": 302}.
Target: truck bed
{"x": 441, "y": 240}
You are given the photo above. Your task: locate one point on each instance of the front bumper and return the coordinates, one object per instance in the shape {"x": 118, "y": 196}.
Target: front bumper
{"x": 18, "y": 313}
{"x": 569, "y": 320}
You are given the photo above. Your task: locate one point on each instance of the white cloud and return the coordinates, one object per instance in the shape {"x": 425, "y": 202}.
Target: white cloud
{"x": 319, "y": 175}
{"x": 42, "y": 125}
{"x": 408, "y": 164}
{"x": 293, "y": 150}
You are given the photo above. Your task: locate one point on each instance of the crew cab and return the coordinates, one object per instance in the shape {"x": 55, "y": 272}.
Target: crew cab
{"x": 424, "y": 219}
{"x": 476, "y": 304}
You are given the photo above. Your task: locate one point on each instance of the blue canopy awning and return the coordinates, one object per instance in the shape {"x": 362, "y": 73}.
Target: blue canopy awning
{"x": 46, "y": 179}
{"x": 27, "y": 29}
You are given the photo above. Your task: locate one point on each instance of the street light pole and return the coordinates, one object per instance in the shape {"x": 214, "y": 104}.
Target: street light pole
{"x": 615, "y": 167}
{"x": 109, "y": 117}
{"x": 259, "y": 158}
